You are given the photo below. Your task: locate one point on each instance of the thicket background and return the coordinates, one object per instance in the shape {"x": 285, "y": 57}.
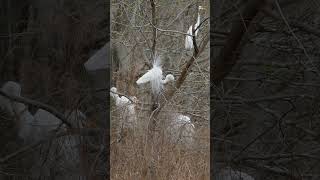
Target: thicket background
{"x": 133, "y": 42}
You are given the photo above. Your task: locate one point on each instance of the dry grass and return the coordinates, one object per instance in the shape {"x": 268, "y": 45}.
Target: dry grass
{"x": 130, "y": 157}
{"x": 133, "y": 155}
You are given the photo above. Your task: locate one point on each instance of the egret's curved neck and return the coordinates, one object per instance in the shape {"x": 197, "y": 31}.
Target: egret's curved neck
{"x": 198, "y": 19}
{"x": 167, "y": 79}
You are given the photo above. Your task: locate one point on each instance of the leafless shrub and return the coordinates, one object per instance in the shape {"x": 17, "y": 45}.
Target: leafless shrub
{"x": 133, "y": 155}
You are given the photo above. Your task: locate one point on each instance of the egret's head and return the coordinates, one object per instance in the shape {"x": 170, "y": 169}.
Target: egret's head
{"x": 113, "y": 89}
{"x": 201, "y": 8}
{"x": 170, "y": 77}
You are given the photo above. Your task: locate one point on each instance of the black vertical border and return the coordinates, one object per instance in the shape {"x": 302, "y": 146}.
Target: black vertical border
{"x": 107, "y": 134}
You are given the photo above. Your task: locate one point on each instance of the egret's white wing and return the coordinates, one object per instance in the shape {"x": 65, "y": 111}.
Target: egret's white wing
{"x": 122, "y": 101}
{"x": 114, "y": 95}
{"x": 196, "y": 26}
{"x": 183, "y": 118}
{"x": 147, "y": 77}
{"x": 189, "y": 42}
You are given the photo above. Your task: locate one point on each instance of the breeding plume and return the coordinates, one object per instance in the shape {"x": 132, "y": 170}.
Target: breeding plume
{"x": 155, "y": 77}
{"x": 189, "y": 39}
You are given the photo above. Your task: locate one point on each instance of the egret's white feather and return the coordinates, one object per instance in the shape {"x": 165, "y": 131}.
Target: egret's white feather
{"x": 169, "y": 78}
{"x": 189, "y": 39}
{"x": 154, "y": 76}
{"x": 196, "y": 26}
{"x": 127, "y": 109}
{"x": 113, "y": 91}
{"x": 189, "y": 42}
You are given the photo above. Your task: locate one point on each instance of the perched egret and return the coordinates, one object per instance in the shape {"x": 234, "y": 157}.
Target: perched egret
{"x": 155, "y": 77}
{"x": 189, "y": 39}
{"x": 127, "y": 107}
{"x": 182, "y": 129}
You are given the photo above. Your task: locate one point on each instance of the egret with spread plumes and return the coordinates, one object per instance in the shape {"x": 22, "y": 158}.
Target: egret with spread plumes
{"x": 126, "y": 105}
{"x": 155, "y": 77}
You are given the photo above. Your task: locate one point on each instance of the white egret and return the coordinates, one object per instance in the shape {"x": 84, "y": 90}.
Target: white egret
{"x": 182, "y": 129}
{"x": 189, "y": 39}
{"x": 126, "y": 106}
{"x": 155, "y": 77}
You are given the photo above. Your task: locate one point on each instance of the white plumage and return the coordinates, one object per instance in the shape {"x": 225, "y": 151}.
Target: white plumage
{"x": 126, "y": 107}
{"x": 189, "y": 42}
{"x": 189, "y": 39}
{"x": 155, "y": 77}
